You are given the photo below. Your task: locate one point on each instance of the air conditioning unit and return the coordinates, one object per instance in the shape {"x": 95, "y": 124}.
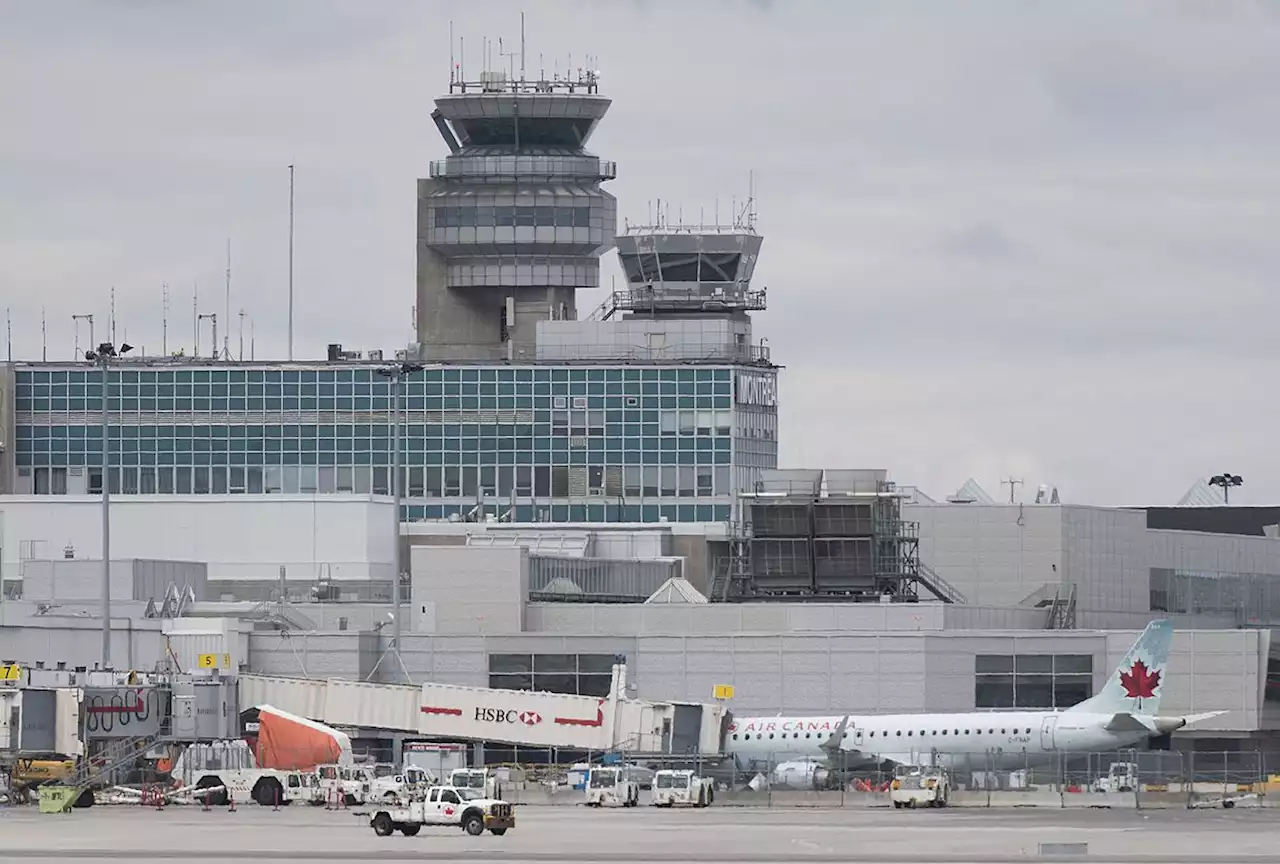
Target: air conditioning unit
{"x": 578, "y": 442}
{"x": 561, "y": 402}
{"x": 579, "y": 401}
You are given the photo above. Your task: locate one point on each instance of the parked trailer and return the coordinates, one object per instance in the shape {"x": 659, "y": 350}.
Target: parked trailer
{"x": 446, "y": 806}
{"x": 682, "y": 789}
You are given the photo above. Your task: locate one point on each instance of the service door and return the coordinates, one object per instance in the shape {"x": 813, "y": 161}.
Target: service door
{"x": 1046, "y": 733}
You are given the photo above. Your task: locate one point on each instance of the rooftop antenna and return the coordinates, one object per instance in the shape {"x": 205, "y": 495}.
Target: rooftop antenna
{"x": 195, "y": 316}
{"x": 226, "y": 312}
{"x": 241, "y": 335}
{"x": 251, "y": 332}
{"x": 522, "y": 46}
{"x": 451, "y": 68}
{"x": 44, "y": 337}
{"x": 75, "y": 324}
{"x": 164, "y": 320}
{"x": 290, "y": 262}
{"x": 113, "y": 315}
{"x": 1011, "y": 482}
{"x": 8, "y": 327}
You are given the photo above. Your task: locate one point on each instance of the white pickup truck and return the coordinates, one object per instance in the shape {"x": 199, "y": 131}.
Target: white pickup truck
{"x": 446, "y": 806}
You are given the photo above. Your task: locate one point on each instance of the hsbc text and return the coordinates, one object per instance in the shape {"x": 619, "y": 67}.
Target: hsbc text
{"x": 496, "y": 715}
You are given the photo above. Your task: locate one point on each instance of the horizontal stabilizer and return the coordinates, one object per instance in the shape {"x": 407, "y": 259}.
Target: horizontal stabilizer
{"x": 1125, "y": 722}
{"x": 1191, "y": 719}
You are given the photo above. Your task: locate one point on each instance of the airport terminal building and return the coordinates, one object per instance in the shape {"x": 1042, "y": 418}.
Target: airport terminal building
{"x": 576, "y": 490}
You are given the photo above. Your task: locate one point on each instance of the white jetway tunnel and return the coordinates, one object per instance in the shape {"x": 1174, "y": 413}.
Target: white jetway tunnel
{"x": 522, "y": 717}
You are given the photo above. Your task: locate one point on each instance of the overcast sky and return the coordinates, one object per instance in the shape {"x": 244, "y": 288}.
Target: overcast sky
{"x": 1028, "y": 239}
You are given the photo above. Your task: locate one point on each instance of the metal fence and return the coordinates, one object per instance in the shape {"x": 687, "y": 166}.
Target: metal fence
{"x": 1143, "y": 780}
{"x": 1120, "y": 780}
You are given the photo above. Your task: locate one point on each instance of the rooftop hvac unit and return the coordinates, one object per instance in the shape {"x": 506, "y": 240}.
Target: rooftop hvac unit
{"x": 375, "y": 356}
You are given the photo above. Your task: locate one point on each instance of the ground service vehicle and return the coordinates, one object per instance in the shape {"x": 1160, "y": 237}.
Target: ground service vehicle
{"x": 476, "y": 779}
{"x": 446, "y": 806}
{"x": 401, "y": 787}
{"x": 919, "y": 786}
{"x": 609, "y": 786}
{"x": 30, "y": 769}
{"x": 350, "y": 784}
{"x": 1121, "y": 777}
{"x": 267, "y": 786}
{"x": 682, "y": 789}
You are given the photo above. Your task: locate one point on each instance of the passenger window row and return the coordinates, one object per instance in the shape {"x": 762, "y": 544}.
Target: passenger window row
{"x": 746, "y": 736}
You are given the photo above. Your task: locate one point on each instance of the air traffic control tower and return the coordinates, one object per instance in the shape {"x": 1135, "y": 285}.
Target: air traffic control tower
{"x": 513, "y": 222}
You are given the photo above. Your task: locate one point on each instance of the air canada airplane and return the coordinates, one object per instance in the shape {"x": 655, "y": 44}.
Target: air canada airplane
{"x": 1125, "y": 713}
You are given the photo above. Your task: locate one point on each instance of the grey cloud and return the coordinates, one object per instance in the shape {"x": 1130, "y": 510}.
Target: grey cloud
{"x": 1000, "y": 236}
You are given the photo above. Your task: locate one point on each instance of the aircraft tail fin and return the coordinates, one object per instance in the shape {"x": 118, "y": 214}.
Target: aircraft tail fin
{"x": 1136, "y": 685}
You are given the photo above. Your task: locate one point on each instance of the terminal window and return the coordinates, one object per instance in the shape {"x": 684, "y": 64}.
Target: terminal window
{"x": 576, "y": 674}
{"x": 631, "y": 433}
{"x": 1032, "y": 680}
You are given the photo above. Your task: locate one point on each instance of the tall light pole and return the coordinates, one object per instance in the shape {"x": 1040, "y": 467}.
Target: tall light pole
{"x": 1226, "y": 481}
{"x": 396, "y": 372}
{"x": 102, "y": 357}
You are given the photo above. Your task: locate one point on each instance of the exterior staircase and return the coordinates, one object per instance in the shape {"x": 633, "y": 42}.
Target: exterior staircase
{"x": 937, "y": 586}
{"x": 93, "y": 769}
{"x": 1062, "y": 609}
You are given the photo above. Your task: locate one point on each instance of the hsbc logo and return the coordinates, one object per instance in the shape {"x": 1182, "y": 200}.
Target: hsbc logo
{"x": 499, "y": 715}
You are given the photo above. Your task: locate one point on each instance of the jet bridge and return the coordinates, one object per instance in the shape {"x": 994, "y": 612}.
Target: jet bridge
{"x": 521, "y": 717}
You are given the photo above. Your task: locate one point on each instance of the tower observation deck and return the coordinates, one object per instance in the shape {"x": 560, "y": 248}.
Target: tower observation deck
{"x": 514, "y": 220}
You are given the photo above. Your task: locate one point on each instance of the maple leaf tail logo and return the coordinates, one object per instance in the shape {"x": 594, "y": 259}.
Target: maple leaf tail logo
{"x": 1140, "y": 682}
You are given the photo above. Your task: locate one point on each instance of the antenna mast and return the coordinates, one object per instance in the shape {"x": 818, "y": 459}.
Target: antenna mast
{"x": 226, "y": 336}
{"x": 44, "y": 337}
{"x": 291, "y": 262}
{"x": 1011, "y": 482}
{"x": 195, "y": 316}
{"x": 113, "y": 317}
{"x": 8, "y": 326}
{"x": 164, "y": 320}
{"x": 241, "y": 336}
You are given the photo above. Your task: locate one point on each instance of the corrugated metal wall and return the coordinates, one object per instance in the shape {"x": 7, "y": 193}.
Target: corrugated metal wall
{"x": 553, "y": 578}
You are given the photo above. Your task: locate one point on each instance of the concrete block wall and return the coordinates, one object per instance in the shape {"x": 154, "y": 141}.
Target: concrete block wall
{"x": 469, "y": 589}
{"x": 244, "y": 537}
{"x": 1105, "y": 554}
{"x": 996, "y": 555}
{"x": 80, "y": 579}
{"x": 1213, "y": 553}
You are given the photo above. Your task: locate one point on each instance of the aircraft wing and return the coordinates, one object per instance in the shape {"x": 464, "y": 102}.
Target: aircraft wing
{"x": 834, "y": 742}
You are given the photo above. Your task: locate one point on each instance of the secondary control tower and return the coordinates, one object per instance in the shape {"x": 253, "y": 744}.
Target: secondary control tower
{"x": 513, "y": 222}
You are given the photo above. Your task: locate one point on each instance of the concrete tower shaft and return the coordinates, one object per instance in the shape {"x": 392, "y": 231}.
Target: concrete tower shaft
{"x": 513, "y": 222}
